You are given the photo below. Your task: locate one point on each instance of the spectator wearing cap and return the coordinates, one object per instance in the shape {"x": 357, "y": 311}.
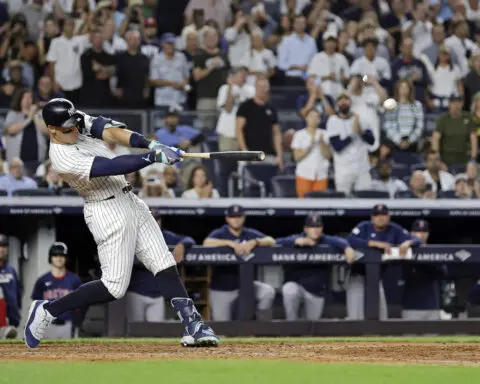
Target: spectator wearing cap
{"x": 151, "y": 45}
{"x": 471, "y": 83}
{"x": 312, "y": 156}
{"x": 16, "y": 179}
{"x": 385, "y": 181}
{"x": 315, "y": 98}
{"x": 238, "y": 37}
{"x": 257, "y": 126}
{"x": 419, "y": 187}
{"x": 431, "y": 52}
{"x": 295, "y": 53}
{"x": 320, "y": 18}
{"x": 106, "y": 9}
{"x": 218, "y": 10}
{"x": 403, "y": 126}
{"x": 64, "y": 57}
{"x": 169, "y": 74}
{"x": 210, "y": 71}
{"x": 461, "y": 44}
{"x": 133, "y": 86}
{"x": 369, "y": 29}
{"x": 408, "y": 67}
{"x": 329, "y": 67}
{"x": 25, "y": 131}
{"x": 421, "y": 299}
{"x": 382, "y": 234}
{"x": 372, "y": 65}
{"x": 446, "y": 81}
{"x": 419, "y": 28}
{"x": 200, "y": 185}
{"x": 308, "y": 284}
{"x": 44, "y": 91}
{"x": 224, "y": 283}
{"x": 395, "y": 20}
{"x": 349, "y": 136}
{"x": 463, "y": 189}
{"x": 259, "y": 60}
{"x": 98, "y": 66}
{"x": 455, "y": 136}
{"x": 10, "y": 294}
{"x": 133, "y": 17}
{"x": 440, "y": 180}
{"x": 14, "y": 81}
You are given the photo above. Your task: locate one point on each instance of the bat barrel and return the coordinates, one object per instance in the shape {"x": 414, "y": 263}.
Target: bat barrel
{"x": 239, "y": 155}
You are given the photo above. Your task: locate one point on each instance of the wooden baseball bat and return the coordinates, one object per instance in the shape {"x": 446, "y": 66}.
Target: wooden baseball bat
{"x": 228, "y": 155}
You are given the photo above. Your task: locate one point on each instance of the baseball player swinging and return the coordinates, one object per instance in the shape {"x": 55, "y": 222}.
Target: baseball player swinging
{"x": 121, "y": 223}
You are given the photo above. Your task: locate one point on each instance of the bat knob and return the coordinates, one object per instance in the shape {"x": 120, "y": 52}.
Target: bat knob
{"x": 261, "y": 156}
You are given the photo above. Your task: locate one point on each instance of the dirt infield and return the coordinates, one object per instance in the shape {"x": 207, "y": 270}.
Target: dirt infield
{"x": 353, "y": 352}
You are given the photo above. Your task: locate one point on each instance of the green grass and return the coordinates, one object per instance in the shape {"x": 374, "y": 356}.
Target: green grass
{"x": 229, "y": 372}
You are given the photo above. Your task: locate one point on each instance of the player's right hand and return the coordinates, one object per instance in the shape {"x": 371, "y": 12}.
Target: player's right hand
{"x": 167, "y": 155}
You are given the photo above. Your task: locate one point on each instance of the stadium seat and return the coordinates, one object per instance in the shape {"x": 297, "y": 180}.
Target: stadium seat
{"x": 261, "y": 172}
{"x": 290, "y": 168}
{"x": 68, "y": 192}
{"x": 3, "y": 192}
{"x": 404, "y": 195}
{"x": 328, "y": 194}
{"x": 455, "y": 169}
{"x": 33, "y": 192}
{"x": 446, "y": 195}
{"x": 371, "y": 194}
{"x": 399, "y": 171}
{"x": 284, "y": 186}
{"x": 400, "y": 157}
{"x": 178, "y": 191}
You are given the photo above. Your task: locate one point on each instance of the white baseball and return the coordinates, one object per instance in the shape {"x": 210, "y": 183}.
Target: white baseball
{"x": 390, "y": 104}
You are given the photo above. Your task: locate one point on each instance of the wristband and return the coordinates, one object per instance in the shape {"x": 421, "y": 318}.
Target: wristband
{"x": 139, "y": 141}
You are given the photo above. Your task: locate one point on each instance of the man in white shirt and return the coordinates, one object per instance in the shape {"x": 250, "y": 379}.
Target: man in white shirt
{"x": 419, "y": 29}
{"x": 461, "y": 44}
{"x": 349, "y": 137}
{"x": 259, "y": 60}
{"x": 113, "y": 43}
{"x": 439, "y": 180}
{"x": 331, "y": 67}
{"x": 64, "y": 58}
{"x": 295, "y": 53}
{"x": 385, "y": 181}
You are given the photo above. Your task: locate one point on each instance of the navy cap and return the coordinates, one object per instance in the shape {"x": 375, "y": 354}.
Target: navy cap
{"x": 380, "y": 209}
{"x": 313, "y": 220}
{"x": 169, "y": 37}
{"x": 456, "y": 97}
{"x": 420, "y": 226}
{"x": 3, "y": 239}
{"x": 235, "y": 211}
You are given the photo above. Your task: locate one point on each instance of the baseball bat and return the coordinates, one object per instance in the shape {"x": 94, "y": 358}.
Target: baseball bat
{"x": 228, "y": 155}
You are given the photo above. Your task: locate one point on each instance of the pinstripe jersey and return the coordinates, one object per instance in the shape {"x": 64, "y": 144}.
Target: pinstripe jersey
{"x": 73, "y": 163}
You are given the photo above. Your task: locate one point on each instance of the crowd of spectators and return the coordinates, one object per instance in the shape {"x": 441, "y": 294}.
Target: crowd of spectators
{"x": 225, "y": 60}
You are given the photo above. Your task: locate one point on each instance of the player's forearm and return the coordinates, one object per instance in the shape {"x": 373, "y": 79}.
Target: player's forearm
{"x": 211, "y": 242}
{"x": 265, "y": 242}
{"x": 120, "y": 165}
{"x": 126, "y": 138}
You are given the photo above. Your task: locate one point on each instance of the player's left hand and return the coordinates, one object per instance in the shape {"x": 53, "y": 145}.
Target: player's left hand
{"x": 165, "y": 154}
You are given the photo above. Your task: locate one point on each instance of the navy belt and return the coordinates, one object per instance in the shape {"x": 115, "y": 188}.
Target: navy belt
{"x": 125, "y": 190}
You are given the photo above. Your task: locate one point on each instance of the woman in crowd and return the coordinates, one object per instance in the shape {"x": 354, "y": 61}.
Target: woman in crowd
{"x": 199, "y": 185}
{"x": 238, "y": 37}
{"x": 25, "y": 131}
{"x": 311, "y": 155}
{"x": 446, "y": 81}
{"x": 403, "y": 126}
{"x": 259, "y": 60}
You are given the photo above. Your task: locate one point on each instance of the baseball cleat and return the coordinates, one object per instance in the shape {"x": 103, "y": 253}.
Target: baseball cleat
{"x": 10, "y": 332}
{"x": 204, "y": 337}
{"x": 37, "y": 322}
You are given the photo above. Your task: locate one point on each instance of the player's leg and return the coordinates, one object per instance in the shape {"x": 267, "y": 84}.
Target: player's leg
{"x": 221, "y": 304}
{"x": 313, "y": 306}
{"x": 355, "y": 297}
{"x": 363, "y": 180}
{"x": 136, "y": 307}
{"x": 155, "y": 310}
{"x": 264, "y": 294}
{"x": 292, "y": 297}
{"x": 344, "y": 180}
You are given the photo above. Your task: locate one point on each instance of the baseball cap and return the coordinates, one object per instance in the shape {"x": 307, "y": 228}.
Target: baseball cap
{"x": 313, "y": 220}
{"x": 150, "y": 22}
{"x": 443, "y": 48}
{"x": 369, "y": 41}
{"x": 343, "y": 95}
{"x": 461, "y": 177}
{"x": 235, "y": 210}
{"x": 329, "y": 36}
{"x": 3, "y": 239}
{"x": 380, "y": 209}
{"x": 169, "y": 38}
{"x": 104, "y": 4}
{"x": 173, "y": 110}
{"x": 456, "y": 97}
{"x": 420, "y": 225}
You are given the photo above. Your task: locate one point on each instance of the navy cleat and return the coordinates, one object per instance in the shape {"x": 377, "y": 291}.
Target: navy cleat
{"x": 37, "y": 322}
{"x": 197, "y": 333}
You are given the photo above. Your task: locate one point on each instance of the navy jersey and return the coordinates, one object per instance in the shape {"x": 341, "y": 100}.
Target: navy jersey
{"x": 150, "y": 49}
{"x": 49, "y": 287}
{"x": 364, "y": 232}
{"x": 421, "y": 289}
{"x": 314, "y": 278}
{"x": 225, "y": 278}
{"x": 12, "y": 293}
{"x": 143, "y": 281}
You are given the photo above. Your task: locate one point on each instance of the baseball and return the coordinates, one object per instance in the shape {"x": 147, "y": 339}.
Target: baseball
{"x": 390, "y": 104}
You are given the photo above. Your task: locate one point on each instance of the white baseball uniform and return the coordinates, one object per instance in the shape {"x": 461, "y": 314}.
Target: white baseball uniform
{"x": 119, "y": 221}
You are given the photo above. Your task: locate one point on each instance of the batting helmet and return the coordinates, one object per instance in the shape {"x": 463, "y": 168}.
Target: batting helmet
{"x": 61, "y": 113}
{"x": 57, "y": 249}
{"x": 3, "y": 240}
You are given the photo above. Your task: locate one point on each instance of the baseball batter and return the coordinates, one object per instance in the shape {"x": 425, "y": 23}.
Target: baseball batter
{"x": 121, "y": 223}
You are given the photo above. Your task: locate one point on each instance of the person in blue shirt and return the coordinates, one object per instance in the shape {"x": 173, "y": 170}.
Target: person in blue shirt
{"x": 308, "y": 283}
{"x": 382, "y": 234}
{"x": 224, "y": 281}
{"x": 12, "y": 293}
{"x": 145, "y": 302}
{"x": 421, "y": 291}
{"x": 55, "y": 284}
{"x": 179, "y": 136}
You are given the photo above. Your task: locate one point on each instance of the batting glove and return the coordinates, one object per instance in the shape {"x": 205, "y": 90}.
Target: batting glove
{"x": 165, "y": 154}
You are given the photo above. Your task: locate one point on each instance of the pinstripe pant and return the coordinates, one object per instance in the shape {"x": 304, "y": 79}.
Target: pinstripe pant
{"x": 123, "y": 227}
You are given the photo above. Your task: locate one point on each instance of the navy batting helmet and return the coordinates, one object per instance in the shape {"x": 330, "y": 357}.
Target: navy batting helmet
{"x": 61, "y": 113}
{"x": 57, "y": 249}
